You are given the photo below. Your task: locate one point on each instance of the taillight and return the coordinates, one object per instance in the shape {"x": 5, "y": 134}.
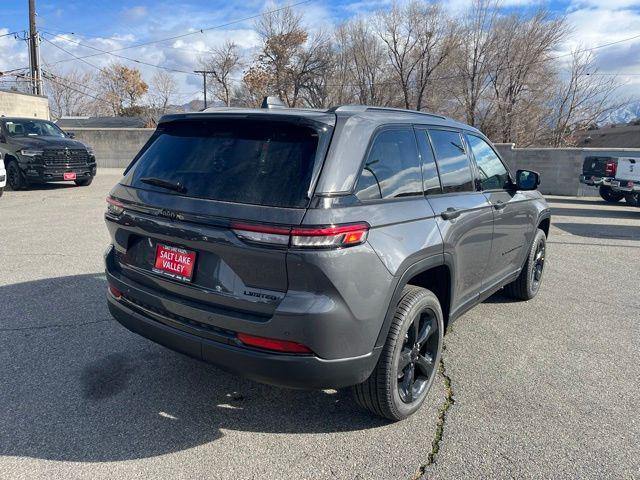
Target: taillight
{"x": 328, "y": 237}
{"x": 268, "y": 234}
{"x": 610, "y": 168}
{"x": 284, "y": 346}
{"x": 115, "y": 292}
{"x": 114, "y": 207}
{"x": 333, "y": 236}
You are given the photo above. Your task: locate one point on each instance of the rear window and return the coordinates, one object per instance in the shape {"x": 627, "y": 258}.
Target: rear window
{"x": 243, "y": 161}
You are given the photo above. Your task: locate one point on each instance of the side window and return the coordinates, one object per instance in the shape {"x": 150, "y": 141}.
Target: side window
{"x": 392, "y": 167}
{"x": 493, "y": 174}
{"x": 453, "y": 162}
{"x": 430, "y": 179}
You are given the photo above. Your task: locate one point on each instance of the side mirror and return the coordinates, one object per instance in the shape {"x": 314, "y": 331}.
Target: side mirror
{"x": 527, "y": 180}
{"x": 71, "y": 134}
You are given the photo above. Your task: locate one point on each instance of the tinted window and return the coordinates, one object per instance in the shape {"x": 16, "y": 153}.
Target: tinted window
{"x": 493, "y": 174}
{"x": 32, "y": 128}
{"x": 430, "y": 178}
{"x": 243, "y": 161}
{"x": 453, "y": 163}
{"x": 392, "y": 168}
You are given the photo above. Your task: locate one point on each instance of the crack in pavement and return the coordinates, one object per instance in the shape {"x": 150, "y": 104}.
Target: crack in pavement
{"x": 442, "y": 418}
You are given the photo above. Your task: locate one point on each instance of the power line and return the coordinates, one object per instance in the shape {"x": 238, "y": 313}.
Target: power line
{"x": 141, "y": 62}
{"x": 199, "y": 31}
{"x": 74, "y": 56}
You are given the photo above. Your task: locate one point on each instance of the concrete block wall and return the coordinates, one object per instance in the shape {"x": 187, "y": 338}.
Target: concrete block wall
{"x": 114, "y": 147}
{"x": 559, "y": 168}
{"x": 18, "y": 104}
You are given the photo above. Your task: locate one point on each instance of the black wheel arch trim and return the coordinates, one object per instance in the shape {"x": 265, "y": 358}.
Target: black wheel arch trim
{"x": 420, "y": 266}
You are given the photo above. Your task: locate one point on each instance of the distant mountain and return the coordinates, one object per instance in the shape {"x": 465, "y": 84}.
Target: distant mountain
{"x": 625, "y": 114}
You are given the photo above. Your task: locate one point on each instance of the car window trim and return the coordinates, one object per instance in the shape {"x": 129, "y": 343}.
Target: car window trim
{"x": 422, "y": 130}
{"x": 379, "y": 130}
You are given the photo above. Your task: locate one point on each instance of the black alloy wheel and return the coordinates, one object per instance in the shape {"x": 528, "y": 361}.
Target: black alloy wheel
{"x": 407, "y": 366}
{"x": 538, "y": 265}
{"x": 14, "y": 176}
{"x": 416, "y": 366}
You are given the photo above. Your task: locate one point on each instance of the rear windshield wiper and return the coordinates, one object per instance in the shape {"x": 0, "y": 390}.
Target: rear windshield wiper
{"x": 159, "y": 182}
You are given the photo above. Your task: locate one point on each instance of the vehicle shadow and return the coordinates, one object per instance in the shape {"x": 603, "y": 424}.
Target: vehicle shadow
{"x": 616, "y": 232}
{"x": 77, "y": 386}
{"x": 631, "y": 213}
{"x": 44, "y": 187}
{"x": 578, "y": 201}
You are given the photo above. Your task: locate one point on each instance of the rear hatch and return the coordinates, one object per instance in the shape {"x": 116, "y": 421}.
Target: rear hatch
{"x": 195, "y": 185}
{"x": 598, "y": 167}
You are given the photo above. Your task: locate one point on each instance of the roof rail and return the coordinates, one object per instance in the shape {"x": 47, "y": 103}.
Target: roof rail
{"x": 365, "y": 108}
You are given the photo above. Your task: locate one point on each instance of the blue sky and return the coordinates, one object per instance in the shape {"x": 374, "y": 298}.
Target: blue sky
{"x": 112, "y": 24}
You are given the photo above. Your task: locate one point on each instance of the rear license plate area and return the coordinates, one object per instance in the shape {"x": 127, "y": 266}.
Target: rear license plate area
{"x": 174, "y": 262}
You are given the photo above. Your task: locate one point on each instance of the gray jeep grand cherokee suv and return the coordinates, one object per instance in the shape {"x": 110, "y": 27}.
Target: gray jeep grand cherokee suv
{"x": 319, "y": 249}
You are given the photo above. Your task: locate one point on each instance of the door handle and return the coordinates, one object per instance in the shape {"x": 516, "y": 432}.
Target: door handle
{"x": 499, "y": 205}
{"x": 450, "y": 213}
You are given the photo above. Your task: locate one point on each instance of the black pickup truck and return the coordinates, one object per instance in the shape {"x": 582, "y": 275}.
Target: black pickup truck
{"x": 38, "y": 151}
{"x": 599, "y": 172}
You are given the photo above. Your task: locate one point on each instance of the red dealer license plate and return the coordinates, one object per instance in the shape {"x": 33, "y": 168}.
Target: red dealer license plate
{"x": 174, "y": 262}
{"x": 69, "y": 175}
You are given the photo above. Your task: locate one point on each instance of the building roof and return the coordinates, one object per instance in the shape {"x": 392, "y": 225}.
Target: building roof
{"x": 627, "y": 136}
{"x": 101, "y": 122}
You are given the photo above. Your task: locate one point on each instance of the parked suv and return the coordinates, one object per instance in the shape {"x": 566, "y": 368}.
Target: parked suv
{"x": 37, "y": 151}
{"x": 319, "y": 249}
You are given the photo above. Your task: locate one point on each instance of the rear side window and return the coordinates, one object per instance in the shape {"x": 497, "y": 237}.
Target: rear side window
{"x": 493, "y": 174}
{"x": 242, "y": 161}
{"x": 392, "y": 167}
{"x": 430, "y": 178}
{"x": 453, "y": 162}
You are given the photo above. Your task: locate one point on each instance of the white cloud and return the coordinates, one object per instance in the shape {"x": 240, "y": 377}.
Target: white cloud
{"x": 592, "y": 27}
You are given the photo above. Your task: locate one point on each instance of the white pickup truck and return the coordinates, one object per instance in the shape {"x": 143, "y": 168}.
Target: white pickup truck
{"x": 3, "y": 175}
{"x": 627, "y": 179}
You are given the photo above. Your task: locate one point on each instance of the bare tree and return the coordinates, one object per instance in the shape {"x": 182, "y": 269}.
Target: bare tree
{"x": 224, "y": 61}
{"x": 583, "y": 99}
{"x": 369, "y": 71}
{"x": 473, "y": 57}
{"x": 418, "y": 38}
{"x": 163, "y": 88}
{"x": 70, "y": 93}
{"x": 290, "y": 57}
{"x": 521, "y": 71}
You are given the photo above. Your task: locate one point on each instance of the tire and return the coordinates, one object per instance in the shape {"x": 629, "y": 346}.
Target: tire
{"x": 526, "y": 286}
{"x": 85, "y": 182}
{"x": 1, "y": 191}
{"x": 15, "y": 179}
{"x": 608, "y": 195}
{"x": 632, "y": 198}
{"x": 389, "y": 391}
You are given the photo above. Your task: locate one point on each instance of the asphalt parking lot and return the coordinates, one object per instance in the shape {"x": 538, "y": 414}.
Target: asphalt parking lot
{"x": 544, "y": 389}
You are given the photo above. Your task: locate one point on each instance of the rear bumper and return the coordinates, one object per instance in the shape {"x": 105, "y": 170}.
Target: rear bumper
{"x": 293, "y": 371}
{"x": 595, "y": 181}
{"x": 626, "y": 186}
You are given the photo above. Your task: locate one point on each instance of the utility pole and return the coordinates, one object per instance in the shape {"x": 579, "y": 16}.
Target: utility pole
{"x": 204, "y": 80}
{"x": 34, "y": 51}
